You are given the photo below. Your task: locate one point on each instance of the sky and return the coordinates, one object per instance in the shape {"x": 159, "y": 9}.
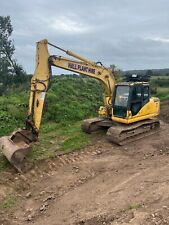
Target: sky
{"x": 132, "y": 34}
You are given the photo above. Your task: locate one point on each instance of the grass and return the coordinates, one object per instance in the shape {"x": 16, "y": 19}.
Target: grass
{"x": 75, "y": 142}
{"x": 163, "y": 95}
{"x": 58, "y": 137}
{"x": 160, "y": 77}
{"x": 134, "y": 206}
{"x": 160, "y": 86}
{"x": 12, "y": 111}
{"x": 162, "y": 89}
{"x": 3, "y": 162}
{"x": 69, "y": 99}
{"x": 9, "y": 202}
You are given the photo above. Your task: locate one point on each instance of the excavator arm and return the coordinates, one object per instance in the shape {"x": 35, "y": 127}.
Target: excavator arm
{"x": 42, "y": 75}
{"x": 16, "y": 146}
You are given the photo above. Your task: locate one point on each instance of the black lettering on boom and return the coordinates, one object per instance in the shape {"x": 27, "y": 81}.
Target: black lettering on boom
{"x": 81, "y": 68}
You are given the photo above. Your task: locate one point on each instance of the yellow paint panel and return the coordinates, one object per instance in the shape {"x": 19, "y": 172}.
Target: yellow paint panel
{"x": 149, "y": 110}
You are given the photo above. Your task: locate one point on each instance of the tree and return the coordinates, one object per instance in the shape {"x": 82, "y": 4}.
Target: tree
{"x": 116, "y": 72}
{"x": 6, "y": 47}
{"x": 149, "y": 73}
{"x": 8, "y": 64}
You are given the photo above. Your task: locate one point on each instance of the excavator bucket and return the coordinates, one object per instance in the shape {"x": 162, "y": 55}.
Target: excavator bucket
{"x": 16, "y": 147}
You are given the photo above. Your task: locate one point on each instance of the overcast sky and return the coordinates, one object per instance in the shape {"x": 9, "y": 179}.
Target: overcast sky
{"x": 133, "y": 34}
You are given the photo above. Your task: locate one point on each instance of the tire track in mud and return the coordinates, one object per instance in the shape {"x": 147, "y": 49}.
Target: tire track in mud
{"x": 11, "y": 181}
{"x": 53, "y": 164}
{"x": 22, "y": 183}
{"x": 63, "y": 161}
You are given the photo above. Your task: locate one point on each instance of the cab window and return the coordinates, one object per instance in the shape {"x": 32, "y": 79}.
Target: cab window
{"x": 145, "y": 94}
{"x": 122, "y": 93}
{"x": 121, "y": 101}
{"x": 137, "y": 94}
{"x": 136, "y": 99}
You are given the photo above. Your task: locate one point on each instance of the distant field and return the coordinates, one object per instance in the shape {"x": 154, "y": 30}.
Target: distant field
{"x": 162, "y": 89}
{"x": 159, "y": 77}
{"x": 160, "y": 86}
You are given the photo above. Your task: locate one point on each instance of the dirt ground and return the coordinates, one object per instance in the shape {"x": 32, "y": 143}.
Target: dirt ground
{"x": 103, "y": 184}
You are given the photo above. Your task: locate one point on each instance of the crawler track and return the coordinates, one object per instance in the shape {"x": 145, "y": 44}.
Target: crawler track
{"x": 91, "y": 125}
{"x": 123, "y": 134}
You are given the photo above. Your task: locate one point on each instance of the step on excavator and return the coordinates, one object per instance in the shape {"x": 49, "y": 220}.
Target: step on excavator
{"x": 128, "y": 111}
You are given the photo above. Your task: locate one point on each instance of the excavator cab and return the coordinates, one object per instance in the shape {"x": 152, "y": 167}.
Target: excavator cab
{"x": 134, "y": 112}
{"x": 129, "y": 98}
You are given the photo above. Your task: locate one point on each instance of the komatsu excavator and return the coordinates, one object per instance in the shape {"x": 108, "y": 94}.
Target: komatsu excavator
{"x": 128, "y": 112}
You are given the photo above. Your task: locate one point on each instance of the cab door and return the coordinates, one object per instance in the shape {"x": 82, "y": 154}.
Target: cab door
{"x": 139, "y": 97}
{"x": 120, "y": 101}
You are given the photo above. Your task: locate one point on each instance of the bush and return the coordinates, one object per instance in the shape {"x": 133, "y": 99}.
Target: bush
{"x": 68, "y": 99}
{"x": 73, "y": 99}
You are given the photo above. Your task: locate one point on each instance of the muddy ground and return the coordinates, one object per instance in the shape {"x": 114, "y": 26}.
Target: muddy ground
{"x": 103, "y": 184}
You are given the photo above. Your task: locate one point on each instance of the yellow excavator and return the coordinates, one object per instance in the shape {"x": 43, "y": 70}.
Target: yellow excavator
{"x": 128, "y": 111}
